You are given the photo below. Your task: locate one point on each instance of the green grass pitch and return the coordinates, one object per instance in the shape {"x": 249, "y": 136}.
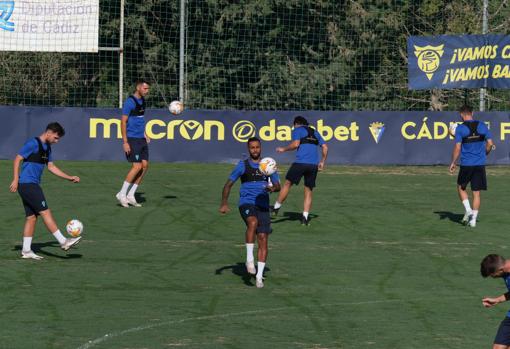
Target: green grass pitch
{"x": 384, "y": 264}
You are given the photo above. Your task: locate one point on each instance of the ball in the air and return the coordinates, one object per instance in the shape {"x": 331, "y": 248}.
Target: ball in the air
{"x": 176, "y": 107}
{"x": 74, "y": 227}
{"x": 267, "y": 166}
{"x": 452, "y": 128}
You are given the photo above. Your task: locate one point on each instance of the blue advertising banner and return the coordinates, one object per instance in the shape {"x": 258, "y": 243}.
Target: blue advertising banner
{"x": 362, "y": 138}
{"x": 458, "y": 61}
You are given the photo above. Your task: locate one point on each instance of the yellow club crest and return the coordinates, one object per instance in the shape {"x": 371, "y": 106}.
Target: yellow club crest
{"x": 377, "y": 130}
{"x": 429, "y": 58}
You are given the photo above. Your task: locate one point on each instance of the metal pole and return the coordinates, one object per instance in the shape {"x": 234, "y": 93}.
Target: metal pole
{"x": 121, "y": 54}
{"x": 484, "y": 31}
{"x": 181, "y": 50}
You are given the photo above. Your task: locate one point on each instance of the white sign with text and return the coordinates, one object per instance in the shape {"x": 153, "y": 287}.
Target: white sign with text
{"x": 49, "y": 25}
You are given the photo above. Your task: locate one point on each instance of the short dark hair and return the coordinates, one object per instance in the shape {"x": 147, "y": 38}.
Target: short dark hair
{"x": 299, "y": 120}
{"x": 57, "y": 128}
{"x": 252, "y": 139}
{"x": 466, "y": 109}
{"x": 140, "y": 82}
{"x": 490, "y": 264}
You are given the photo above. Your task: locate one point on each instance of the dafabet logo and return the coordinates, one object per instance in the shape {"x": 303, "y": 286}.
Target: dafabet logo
{"x": 243, "y": 130}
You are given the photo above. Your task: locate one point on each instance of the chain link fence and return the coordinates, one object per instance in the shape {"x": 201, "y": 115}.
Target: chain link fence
{"x": 255, "y": 55}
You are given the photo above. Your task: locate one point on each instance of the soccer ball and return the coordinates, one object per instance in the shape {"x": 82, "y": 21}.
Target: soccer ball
{"x": 452, "y": 128}
{"x": 176, "y": 107}
{"x": 267, "y": 166}
{"x": 74, "y": 227}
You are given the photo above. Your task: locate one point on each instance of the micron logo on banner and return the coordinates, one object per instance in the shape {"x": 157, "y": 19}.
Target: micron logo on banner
{"x": 158, "y": 129}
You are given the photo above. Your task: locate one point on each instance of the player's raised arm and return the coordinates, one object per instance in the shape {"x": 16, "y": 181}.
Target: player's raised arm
{"x": 224, "y": 196}
{"x": 59, "y": 173}
{"x": 490, "y": 302}
{"x": 292, "y": 146}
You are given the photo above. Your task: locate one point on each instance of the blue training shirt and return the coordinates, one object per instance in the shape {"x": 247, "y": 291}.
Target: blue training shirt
{"x": 506, "y": 278}
{"x": 472, "y": 154}
{"x": 135, "y": 124}
{"x": 252, "y": 193}
{"x": 31, "y": 172}
{"x": 307, "y": 153}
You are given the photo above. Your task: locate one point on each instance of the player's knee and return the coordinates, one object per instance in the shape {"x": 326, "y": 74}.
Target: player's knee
{"x": 145, "y": 166}
{"x": 137, "y": 166}
{"x": 31, "y": 218}
{"x": 262, "y": 238}
{"x": 45, "y": 213}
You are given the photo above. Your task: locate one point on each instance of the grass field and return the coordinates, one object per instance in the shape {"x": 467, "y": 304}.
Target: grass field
{"x": 385, "y": 263}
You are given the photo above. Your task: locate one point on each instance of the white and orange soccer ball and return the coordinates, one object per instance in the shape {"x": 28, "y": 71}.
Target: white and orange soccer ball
{"x": 74, "y": 228}
{"x": 453, "y": 128}
{"x": 267, "y": 166}
{"x": 176, "y": 107}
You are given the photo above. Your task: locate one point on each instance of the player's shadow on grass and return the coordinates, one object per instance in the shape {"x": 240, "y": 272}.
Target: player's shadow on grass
{"x": 239, "y": 269}
{"x": 169, "y": 197}
{"x": 37, "y": 247}
{"x": 139, "y": 197}
{"x": 454, "y": 217}
{"x": 291, "y": 216}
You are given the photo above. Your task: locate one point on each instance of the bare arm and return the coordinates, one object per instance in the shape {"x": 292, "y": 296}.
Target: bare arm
{"x": 490, "y": 302}
{"x": 292, "y": 146}
{"x": 276, "y": 187}
{"x": 324, "y": 156}
{"x": 224, "y": 196}
{"x": 455, "y": 156}
{"x": 59, "y": 173}
{"x": 123, "y": 130}
{"x": 15, "y": 173}
{"x": 489, "y": 146}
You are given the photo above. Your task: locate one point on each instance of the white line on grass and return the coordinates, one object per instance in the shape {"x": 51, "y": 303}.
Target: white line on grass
{"x": 111, "y": 335}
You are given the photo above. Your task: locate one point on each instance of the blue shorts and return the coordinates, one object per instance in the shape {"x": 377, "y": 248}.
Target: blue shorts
{"x": 474, "y": 175}
{"x": 139, "y": 150}
{"x": 33, "y": 198}
{"x": 298, "y": 170}
{"x": 262, "y": 215}
{"x": 503, "y": 335}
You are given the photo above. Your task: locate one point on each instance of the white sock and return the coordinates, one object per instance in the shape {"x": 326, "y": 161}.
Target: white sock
{"x": 305, "y": 214}
{"x": 260, "y": 269}
{"x": 474, "y": 215}
{"x": 466, "y": 205}
{"x": 27, "y": 243}
{"x": 277, "y": 205}
{"x": 133, "y": 190}
{"x": 249, "y": 253}
{"x": 61, "y": 238}
{"x": 125, "y": 187}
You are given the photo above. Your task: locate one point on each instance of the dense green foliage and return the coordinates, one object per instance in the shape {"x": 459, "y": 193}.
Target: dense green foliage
{"x": 257, "y": 54}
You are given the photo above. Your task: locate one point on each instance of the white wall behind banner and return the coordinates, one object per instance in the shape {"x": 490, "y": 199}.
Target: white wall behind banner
{"x": 49, "y": 25}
